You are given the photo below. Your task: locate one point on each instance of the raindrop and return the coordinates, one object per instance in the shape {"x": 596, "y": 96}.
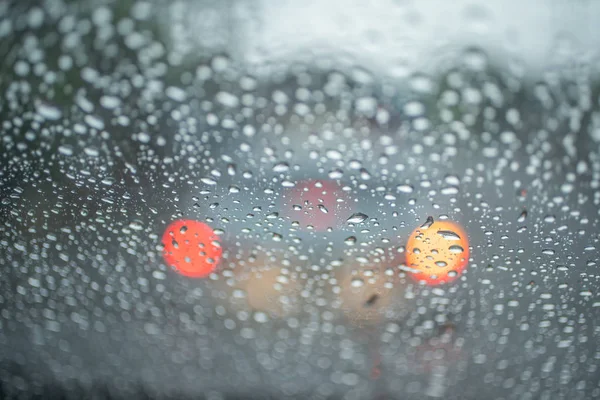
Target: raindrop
{"x": 350, "y": 240}
{"x": 336, "y": 174}
{"x": 65, "y": 150}
{"x": 261, "y": 317}
{"x": 449, "y": 235}
{"x": 456, "y": 249}
{"x": 452, "y": 180}
{"x": 175, "y": 93}
{"x": 449, "y": 190}
{"x": 281, "y": 167}
{"x": 49, "y": 112}
{"x": 333, "y": 155}
{"x": 357, "y": 282}
{"x": 427, "y": 223}
{"x": 208, "y": 181}
{"x": 357, "y": 218}
{"x": 91, "y": 151}
{"x": 404, "y": 188}
{"x": 227, "y": 99}
{"x": 364, "y": 174}
{"x": 136, "y": 225}
{"x": 277, "y": 237}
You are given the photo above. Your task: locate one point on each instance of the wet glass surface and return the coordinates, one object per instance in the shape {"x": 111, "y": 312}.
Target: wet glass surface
{"x": 299, "y": 200}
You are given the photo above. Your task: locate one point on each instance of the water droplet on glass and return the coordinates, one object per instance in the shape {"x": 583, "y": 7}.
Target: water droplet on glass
{"x": 65, "y": 150}
{"x": 449, "y": 235}
{"x": 449, "y": 190}
{"x": 357, "y": 218}
{"x": 427, "y": 223}
{"x": 277, "y": 237}
{"x": 336, "y": 174}
{"x": 49, "y": 112}
{"x": 333, "y": 155}
{"x": 456, "y": 249}
{"x": 350, "y": 240}
{"x": 209, "y": 181}
{"x": 404, "y": 188}
{"x": 522, "y": 216}
{"x": 357, "y": 282}
{"x": 281, "y": 167}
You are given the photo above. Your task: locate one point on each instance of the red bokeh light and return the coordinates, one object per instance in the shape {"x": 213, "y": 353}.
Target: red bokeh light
{"x": 191, "y": 248}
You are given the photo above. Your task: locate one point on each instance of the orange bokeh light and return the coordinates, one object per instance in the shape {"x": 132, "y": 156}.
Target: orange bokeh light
{"x": 438, "y": 252}
{"x": 191, "y": 247}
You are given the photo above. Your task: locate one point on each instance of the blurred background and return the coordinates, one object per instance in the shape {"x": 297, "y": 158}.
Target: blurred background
{"x": 282, "y": 199}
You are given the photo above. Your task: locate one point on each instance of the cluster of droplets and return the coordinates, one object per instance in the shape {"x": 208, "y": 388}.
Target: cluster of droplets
{"x": 311, "y": 181}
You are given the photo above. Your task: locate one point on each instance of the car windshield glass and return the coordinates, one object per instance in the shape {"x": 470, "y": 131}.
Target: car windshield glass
{"x": 289, "y": 199}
